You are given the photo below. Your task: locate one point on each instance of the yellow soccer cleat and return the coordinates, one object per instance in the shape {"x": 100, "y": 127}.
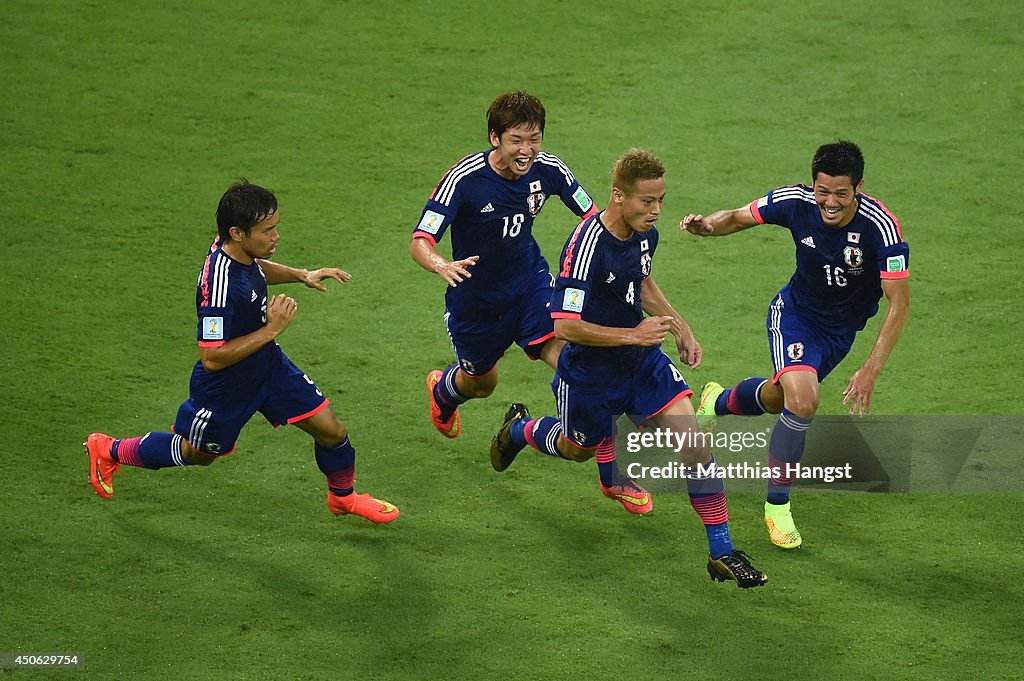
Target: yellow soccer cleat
{"x": 781, "y": 530}
{"x": 706, "y": 416}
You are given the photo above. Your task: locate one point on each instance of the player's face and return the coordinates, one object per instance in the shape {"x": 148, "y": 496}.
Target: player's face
{"x": 836, "y": 198}
{"x": 515, "y": 150}
{"x": 642, "y": 207}
{"x": 261, "y": 242}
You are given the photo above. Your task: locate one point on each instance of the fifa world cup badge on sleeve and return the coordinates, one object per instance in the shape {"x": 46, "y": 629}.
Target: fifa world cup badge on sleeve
{"x": 213, "y": 328}
{"x": 431, "y": 222}
{"x": 573, "y": 300}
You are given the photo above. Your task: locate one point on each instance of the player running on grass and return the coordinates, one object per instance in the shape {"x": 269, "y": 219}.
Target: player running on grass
{"x": 613, "y": 363}
{"x": 498, "y": 282}
{"x": 241, "y": 368}
{"x": 849, "y": 251}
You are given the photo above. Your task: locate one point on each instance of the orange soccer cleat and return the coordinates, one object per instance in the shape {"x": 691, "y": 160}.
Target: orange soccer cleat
{"x": 451, "y": 427}
{"x": 102, "y": 466}
{"x": 362, "y": 505}
{"x": 632, "y": 496}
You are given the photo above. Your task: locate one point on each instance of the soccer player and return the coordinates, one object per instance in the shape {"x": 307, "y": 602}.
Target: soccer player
{"x": 498, "y": 282}
{"x": 613, "y": 363}
{"x": 849, "y": 251}
{"x": 241, "y": 368}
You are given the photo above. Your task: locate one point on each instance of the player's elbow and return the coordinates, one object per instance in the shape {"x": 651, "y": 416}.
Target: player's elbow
{"x": 211, "y": 364}
{"x": 210, "y": 359}
{"x": 565, "y": 329}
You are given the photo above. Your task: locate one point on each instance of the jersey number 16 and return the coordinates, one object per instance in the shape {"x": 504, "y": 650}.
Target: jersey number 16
{"x": 835, "y": 275}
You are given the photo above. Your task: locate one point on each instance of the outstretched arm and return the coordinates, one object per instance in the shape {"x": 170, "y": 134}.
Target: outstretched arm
{"x": 276, "y": 273}
{"x": 858, "y": 392}
{"x": 427, "y": 257}
{"x": 655, "y": 303}
{"x": 719, "y": 223}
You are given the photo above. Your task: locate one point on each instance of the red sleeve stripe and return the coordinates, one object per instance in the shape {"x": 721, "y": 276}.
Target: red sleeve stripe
{"x": 756, "y": 213}
{"x": 580, "y": 263}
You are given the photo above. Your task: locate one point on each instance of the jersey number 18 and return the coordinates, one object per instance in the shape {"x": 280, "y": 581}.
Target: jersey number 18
{"x": 512, "y": 225}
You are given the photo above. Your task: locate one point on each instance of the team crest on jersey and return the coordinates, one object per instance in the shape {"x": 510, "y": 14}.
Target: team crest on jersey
{"x": 467, "y": 366}
{"x": 645, "y": 264}
{"x": 534, "y": 202}
{"x": 795, "y": 351}
{"x": 580, "y": 438}
{"x": 853, "y": 256}
{"x": 212, "y": 447}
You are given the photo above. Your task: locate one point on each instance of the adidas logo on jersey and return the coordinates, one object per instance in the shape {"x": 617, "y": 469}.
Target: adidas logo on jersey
{"x": 809, "y": 241}
{"x": 489, "y": 208}
{"x": 253, "y": 299}
{"x": 611, "y": 278}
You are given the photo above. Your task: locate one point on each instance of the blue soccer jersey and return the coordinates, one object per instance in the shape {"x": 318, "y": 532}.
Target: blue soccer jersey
{"x": 837, "y": 282}
{"x": 599, "y": 281}
{"x": 492, "y": 217}
{"x": 231, "y": 301}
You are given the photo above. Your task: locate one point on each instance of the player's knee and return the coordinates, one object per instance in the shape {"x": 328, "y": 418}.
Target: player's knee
{"x": 804, "y": 405}
{"x": 333, "y": 434}
{"x": 194, "y": 457}
{"x": 698, "y": 454}
{"x": 574, "y": 452}
{"x": 478, "y": 386}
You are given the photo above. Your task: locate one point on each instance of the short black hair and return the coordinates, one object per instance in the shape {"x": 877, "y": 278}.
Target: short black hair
{"x": 244, "y": 205}
{"x": 841, "y": 158}
{"x": 513, "y": 109}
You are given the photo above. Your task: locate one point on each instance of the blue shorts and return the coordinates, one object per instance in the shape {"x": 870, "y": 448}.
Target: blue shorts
{"x": 589, "y": 416}
{"x": 212, "y": 425}
{"x": 797, "y": 345}
{"x": 479, "y": 341}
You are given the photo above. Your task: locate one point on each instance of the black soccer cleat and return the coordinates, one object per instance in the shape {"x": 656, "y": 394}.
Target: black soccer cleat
{"x": 736, "y": 567}
{"x": 503, "y": 450}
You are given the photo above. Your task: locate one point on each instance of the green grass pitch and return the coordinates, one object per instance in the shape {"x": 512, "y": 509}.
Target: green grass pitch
{"x": 121, "y": 125}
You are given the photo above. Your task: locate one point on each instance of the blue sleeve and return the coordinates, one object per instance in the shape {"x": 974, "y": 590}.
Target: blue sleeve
{"x": 574, "y": 280}
{"x": 443, "y": 204}
{"x": 573, "y": 195}
{"x": 778, "y": 206}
